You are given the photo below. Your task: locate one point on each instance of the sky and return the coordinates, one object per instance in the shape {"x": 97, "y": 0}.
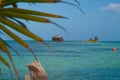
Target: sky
{"x": 101, "y": 18}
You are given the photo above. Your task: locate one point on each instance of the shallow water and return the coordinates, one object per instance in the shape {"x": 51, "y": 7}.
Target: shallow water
{"x": 71, "y": 60}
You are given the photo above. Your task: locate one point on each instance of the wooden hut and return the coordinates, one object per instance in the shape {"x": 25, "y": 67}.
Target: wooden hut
{"x": 57, "y": 38}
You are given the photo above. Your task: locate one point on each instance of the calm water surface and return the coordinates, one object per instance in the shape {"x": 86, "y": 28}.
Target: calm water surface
{"x": 70, "y": 61}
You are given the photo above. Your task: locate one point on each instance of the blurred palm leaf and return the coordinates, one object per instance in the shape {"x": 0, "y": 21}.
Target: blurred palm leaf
{"x": 9, "y": 17}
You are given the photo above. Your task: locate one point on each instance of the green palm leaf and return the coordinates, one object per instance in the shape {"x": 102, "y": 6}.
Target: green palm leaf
{"x": 31, "y": 12}
{"x": 20, "y": 29}
{"x": 15, "y": 37}
{"x": 4, "y": 61}
{"x": 24, "y": 16}
{"x": 9, "y": 17}
{"x": 4, "y": 48}
{"x": 19, "y": 22}
{"x": 10, "y": 2}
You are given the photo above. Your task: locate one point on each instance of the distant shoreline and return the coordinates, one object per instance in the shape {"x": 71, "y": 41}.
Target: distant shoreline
{"x": 67, "y": 41}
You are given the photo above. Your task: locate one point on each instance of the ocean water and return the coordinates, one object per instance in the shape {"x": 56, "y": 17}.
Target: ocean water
{"x": 71, "y": 60}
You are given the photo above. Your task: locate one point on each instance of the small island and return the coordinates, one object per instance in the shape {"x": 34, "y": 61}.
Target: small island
{"x": 57, "y": 38}
{"x": 96, "y": 39}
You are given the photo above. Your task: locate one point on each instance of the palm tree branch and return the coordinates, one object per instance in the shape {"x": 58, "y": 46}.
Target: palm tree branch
{"x": 4, "y": 48}
{"x": 20, "y": 29}
{"x": 4, "y": 61}
{"x": 15, "y": 37}
{"x": 24, "y": 16}
{"x": 29, "y": 17}
{"x": 31, "y": 12}
{"x": 19, "y": 22}
{"x": 11, "y": 2}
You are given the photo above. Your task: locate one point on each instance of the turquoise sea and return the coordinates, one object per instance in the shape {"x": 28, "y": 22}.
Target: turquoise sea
{"x": 71, "y": 60}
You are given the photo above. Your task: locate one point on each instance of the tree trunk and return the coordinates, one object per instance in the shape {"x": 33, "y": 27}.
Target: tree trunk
{"x": 36, "y": 71}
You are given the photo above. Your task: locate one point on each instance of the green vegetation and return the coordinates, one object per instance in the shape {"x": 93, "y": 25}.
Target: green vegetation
{"x": 93, "y": 40}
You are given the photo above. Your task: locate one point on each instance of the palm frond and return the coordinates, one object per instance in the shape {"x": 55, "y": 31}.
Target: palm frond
{"x": 12, "y": 49}
{"x": 11, "y": 2}
{"x": 24, "y": 16}
{"x": 9, "y": 17}
{"x": 19, "y": 22}
{"x": 32, "y": 12}
{"x": 4, "y": 48}
{"x": 20, "y": 29}
{"x": 28, "y": 17}
{"x": 15, "y": 37}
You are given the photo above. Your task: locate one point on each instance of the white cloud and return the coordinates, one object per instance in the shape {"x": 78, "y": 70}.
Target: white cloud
{"x": 111, "y": 7}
